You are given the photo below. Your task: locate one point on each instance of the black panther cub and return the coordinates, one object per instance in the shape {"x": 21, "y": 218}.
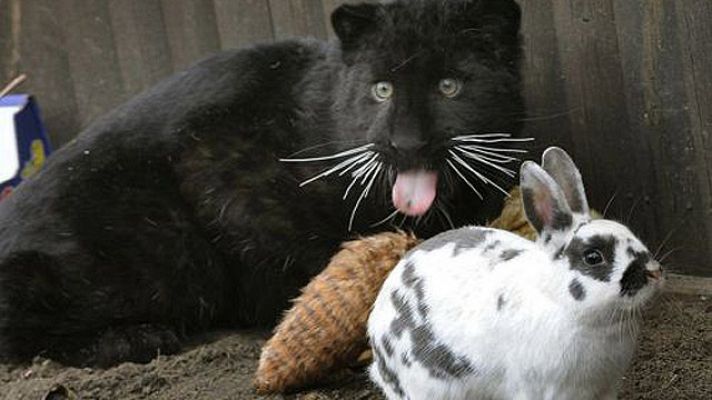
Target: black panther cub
{"x": 183, "y": 209}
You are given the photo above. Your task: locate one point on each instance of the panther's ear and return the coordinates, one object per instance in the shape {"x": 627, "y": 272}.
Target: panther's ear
{"x": 500, "y": 17}
{"x": 352, "y": 21}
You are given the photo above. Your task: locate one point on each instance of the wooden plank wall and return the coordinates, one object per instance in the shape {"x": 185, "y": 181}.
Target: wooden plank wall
{"x": 625, "y": 85}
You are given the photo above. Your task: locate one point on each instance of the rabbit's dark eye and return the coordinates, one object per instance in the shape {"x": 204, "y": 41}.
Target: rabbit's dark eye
{"x": 592, "y": 257}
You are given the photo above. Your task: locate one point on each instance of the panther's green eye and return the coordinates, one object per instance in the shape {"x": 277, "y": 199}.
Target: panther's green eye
{"x": 449, "y": 87}
{"x": 382, "y": 91}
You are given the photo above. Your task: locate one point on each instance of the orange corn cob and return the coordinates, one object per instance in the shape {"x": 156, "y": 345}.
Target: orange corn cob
{"x": 326, "y": 327}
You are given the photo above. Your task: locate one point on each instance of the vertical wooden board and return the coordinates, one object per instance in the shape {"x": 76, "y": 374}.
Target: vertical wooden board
{"x": 141, "y": 46}
{"x": 298, "y": 18}
{"x": 192, "y": 30}
{"x": 655, "y": 92}
{"x": 588, "y": 49}
{"x": 41, "y": 48}
{"x": 9, "y": 28}
{"x": 95, "y": 70}
{"x": 243, "y": 22}
{"x": 543, "y": 83}
{"x": 694, "y": 33}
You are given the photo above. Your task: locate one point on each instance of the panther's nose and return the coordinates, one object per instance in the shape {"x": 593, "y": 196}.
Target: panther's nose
{"x": 407, "y": 145}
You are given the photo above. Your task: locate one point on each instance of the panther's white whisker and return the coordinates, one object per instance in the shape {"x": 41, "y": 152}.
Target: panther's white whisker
{"x": 356, "y": 177}
{"x": 493, "y": 149}
{"x": 483, "y": 160}
{"x": 349, "y": 162}
{"x": 474, "y": 156}
{"x": 501, "y": 140}
{"x": 375, "y": 174}
{"x": 384, "y": 220}
{"x": 365, "y": 166}
{"x": 478, "y": 174}
{"x": 492, "y": 156}
{"x": 330, "y": 157}
{"x": 362, "y": 158}
{"x": 483, "y": 135}
{"x": 364, "y": 193}
{"x": 444, "y": 212}
{"x": 457, "y": 171}
{"x": 378, "y": 167}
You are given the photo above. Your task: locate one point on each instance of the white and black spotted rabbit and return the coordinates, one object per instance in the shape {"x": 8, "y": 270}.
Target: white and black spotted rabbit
{"x": 478, "y": 313}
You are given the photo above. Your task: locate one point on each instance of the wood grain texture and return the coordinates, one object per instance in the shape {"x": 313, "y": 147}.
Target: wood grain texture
{"x": 624, "y": 85}
{"x": 191, "y": 27}
{"x": 91, "y": 53}
{"x": 298, "y": 18}
{"x": 243, "y": 22}
{"x": 142, "y": 48}
{"x": 548, "y": 111}
{"x": 44, "y": 54}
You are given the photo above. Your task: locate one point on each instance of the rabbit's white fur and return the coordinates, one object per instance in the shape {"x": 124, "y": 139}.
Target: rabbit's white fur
{"x": 479, "y": 313}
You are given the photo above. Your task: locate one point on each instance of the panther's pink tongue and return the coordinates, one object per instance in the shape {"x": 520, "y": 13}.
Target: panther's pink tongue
{"x": 414, "y": 191}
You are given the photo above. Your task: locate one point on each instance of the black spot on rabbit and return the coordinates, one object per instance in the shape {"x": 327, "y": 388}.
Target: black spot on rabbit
{"x": 594, "y": 256}
{"x": 635, "y": 276}
{"x": 576, "y": 289}
{"x": 510, "y": 254}
{"x": 501, "y": 302}
{"x": 463, "y": 239}
{"x": 404, "y": 315}
{"x": 389, "y": 376}
{"x": 438, "y": 359}
{"x": 387, "y": 345}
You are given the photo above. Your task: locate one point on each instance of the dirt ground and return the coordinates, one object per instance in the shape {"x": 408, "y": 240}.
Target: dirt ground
{"x": 674, "y": 361}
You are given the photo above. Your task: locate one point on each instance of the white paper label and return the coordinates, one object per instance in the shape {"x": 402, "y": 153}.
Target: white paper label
{"x": 9, "y": 159}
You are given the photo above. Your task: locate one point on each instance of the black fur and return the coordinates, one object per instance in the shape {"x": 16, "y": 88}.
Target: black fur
{"x": 576, "y": 249}
{"x": 173, "y": 213}
{"x": 635, "y": 276}
{"x": 464, "y": 239}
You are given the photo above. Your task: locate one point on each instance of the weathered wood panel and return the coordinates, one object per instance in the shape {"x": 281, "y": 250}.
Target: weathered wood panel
{"x": 191, "y": 27}
{"x": 243, "y": 22}
{"x": 625, "y": 85}
{"x": 40, "y": 48}
{"x": 298, "y": 18}
{"x": 91, "y": 52}
{"x": 142, "y": 49}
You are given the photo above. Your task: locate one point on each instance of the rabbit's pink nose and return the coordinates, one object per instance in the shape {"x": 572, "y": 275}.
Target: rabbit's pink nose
{"x": 656, "y": 272}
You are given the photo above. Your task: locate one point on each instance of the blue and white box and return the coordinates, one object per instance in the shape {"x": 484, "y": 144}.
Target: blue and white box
{"x": 24, "y": 145}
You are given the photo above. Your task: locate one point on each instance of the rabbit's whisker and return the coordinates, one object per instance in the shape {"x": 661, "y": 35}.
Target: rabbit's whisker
{"x": 609, "y": 203}
{"x": 632, "y": 209}
{"x": 669, "y": 236}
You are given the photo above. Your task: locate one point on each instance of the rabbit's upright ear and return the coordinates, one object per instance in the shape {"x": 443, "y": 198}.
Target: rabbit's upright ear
{"x": 544, "y": 202}
{"x": 559, "y": 165}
